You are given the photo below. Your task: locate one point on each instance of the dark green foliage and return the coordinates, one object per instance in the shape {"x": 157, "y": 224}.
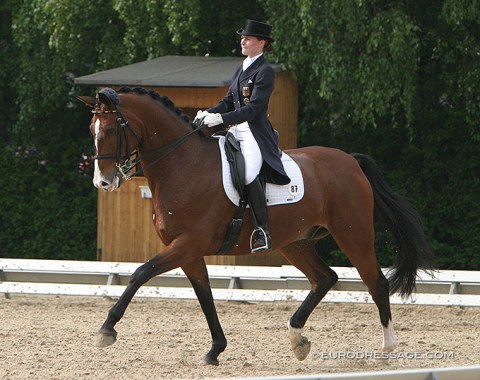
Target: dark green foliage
{"x": 397, "y": 80}
{"x": 48, "y": 209}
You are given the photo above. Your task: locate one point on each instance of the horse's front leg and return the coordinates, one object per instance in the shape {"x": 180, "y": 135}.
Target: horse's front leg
{"x": 198, "y": 276}
{"x": 155, "y": 266}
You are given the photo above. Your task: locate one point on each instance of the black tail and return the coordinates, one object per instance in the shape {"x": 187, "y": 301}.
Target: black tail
{"x": 414, "y": 252}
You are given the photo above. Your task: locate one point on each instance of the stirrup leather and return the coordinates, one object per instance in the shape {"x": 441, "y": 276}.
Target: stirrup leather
{"x": 266, "y": 238}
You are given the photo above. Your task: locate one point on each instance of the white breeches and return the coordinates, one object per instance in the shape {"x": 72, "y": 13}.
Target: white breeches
{"x": 250, "y": 150}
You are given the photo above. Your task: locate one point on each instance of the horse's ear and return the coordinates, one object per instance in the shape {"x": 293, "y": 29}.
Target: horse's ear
{"x": 104, "y": 99}
{"x": 109, "y": 97}
{"x": 88, "y": 100}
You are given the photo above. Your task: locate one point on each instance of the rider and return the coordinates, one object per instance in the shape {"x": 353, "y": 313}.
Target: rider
{"x": 245, "y": 110}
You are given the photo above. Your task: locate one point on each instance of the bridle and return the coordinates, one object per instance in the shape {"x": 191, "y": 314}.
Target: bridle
{"x": 123, "y": 161}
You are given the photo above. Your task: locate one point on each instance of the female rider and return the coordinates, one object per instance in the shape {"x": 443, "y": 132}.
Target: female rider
{"x": 245, "y": 110}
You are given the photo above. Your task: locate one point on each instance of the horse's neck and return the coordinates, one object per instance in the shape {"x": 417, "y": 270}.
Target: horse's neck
{"x": 161, "y": 127}
{"x": 173, "y": 163}
{"x": 186, "y": 175}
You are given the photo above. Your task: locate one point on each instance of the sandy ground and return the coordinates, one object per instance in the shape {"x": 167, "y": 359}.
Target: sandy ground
{"x": 52, "y": 338}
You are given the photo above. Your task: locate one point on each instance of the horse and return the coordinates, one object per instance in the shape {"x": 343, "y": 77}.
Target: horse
{"x": 191, "y": 212}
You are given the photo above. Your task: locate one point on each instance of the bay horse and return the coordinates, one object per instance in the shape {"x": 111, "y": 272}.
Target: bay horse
{"x": 191, "y": 211}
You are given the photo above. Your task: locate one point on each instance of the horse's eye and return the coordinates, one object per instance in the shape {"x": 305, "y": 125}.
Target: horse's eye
{"x": 110, "y": 131}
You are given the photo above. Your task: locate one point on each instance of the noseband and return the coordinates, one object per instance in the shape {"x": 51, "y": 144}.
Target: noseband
{"x": 124, "y": 162}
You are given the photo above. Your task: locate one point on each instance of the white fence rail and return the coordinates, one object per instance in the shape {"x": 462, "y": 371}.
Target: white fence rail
{"x": 239, "y": 283}
{"x": 456, "y": 373}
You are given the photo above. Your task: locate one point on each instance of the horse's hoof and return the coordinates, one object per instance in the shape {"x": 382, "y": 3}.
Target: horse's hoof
{"x": 300, "y": 344}
{"x": 302, "y": 348}
{"x": 210, "y": 361}
{"x": 105, "y": 339}
{"x": 389, "y": 347}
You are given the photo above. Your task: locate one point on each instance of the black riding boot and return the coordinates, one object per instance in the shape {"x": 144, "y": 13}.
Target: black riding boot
{"x": 260, "y": 239}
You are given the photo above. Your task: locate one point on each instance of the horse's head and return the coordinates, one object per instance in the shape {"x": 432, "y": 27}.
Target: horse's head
{"x": 114, "y": 138}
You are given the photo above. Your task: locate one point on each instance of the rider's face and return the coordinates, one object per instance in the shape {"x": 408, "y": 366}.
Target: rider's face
{"x": 251, "y": 46}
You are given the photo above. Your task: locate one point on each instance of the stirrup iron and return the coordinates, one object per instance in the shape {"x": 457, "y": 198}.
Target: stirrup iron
{"x": 266, "y": 246}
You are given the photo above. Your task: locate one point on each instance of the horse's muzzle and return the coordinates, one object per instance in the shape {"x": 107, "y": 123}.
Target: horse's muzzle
{"x": 101, "y": 182}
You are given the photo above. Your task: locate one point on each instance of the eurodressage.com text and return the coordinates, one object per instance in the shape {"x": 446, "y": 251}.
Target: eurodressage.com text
{"x": 402, "y": 355}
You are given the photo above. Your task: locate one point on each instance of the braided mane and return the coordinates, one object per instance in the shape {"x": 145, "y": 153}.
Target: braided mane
{"x": 155, "y": 95}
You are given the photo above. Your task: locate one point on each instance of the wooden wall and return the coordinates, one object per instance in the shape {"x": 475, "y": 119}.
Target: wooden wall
{"x": 125, "y": 229}
{"x": 283, "y": 109}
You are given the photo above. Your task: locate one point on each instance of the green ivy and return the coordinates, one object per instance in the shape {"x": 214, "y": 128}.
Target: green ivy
{"x": 398, "y": 80}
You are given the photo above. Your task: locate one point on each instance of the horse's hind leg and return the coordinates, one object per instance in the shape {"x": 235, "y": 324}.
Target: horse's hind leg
{"x": 198, "y": 276}
{"x": 381, "y": 297}
{"x": 356, "y": 240}
{"x": 303, "y": 255}
{"x": 378, "y": 287}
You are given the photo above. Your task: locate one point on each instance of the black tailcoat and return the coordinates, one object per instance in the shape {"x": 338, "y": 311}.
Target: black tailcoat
{"x": 247, "y": 100}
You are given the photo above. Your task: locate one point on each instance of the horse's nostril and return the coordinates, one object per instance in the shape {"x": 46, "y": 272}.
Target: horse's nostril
{"x": 105, "y": 184}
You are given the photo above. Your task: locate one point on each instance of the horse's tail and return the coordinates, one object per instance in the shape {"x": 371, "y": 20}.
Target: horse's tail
{"x": 400, "y": 217}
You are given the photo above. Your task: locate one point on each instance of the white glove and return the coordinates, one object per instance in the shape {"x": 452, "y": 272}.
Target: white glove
{"x": 199, "y": 117}
{"x": 213, "y": 119}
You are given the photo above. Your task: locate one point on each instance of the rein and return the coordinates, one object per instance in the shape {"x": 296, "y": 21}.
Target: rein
{"x": 128, "y": 164}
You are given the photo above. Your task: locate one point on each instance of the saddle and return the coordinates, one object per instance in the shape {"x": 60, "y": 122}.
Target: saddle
{"x": 236, "y": 162}
{"x": 233, "y": 172}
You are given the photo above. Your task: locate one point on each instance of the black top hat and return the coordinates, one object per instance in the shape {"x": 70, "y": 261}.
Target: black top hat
{"x": 257, "y": 29}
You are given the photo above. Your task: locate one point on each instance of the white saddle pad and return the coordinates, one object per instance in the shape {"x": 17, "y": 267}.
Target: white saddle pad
{"x": 276, "y": 194}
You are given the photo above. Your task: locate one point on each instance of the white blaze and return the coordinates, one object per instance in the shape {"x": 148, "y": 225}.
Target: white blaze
{"x": 99, "y": 179}
{"x": 97, "y": 176}
{"x": 97, "y": 131}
